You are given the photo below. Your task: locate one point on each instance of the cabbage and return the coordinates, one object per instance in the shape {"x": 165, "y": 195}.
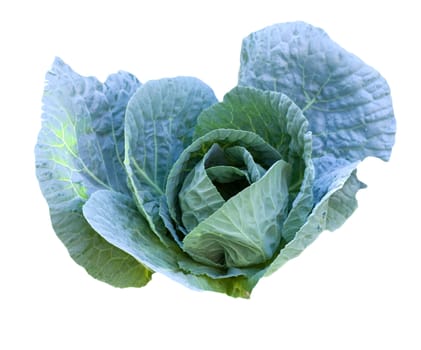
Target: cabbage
{"x": 161, "y": 177}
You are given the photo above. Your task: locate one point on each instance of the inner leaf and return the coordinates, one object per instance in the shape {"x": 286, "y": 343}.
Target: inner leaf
{"x": 228, "y": 180}
{"x": 246, "y": 230}
{"x": 198, "y": 197}
{"x": 218, "y": 176}
{"x": 242, "y": 157}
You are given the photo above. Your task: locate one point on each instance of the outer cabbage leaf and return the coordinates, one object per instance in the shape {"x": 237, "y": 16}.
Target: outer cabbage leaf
{"x": 347, "y": 102}
{"x": 327, "y": 214}
{"x": 160, "y": 119}
{"x": 78, "y": 153}
{"x": 118, "y": 220}
{"x": 119, "y": 88}
{"x": 343, "y": 202}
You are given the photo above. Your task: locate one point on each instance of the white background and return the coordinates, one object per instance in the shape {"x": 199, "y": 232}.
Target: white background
{"x": 356, "y": 288}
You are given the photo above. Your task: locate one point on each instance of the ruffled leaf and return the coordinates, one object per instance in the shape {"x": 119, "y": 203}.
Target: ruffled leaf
{"x": 347, "y": 102}
{"x": 79, "y": 152}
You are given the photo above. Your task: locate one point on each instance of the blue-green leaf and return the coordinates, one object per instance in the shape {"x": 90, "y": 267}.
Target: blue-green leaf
{"x": 160, "y": 119}
{"x": 342, "y": 203}
{"x": 76, "y": 155}
{"x": 347, "y": 102}
{"x": 329, "y": 213}
{"x": 119, "y": 88}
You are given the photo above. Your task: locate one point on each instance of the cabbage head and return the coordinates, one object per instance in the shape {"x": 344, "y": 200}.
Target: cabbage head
{"x": 161, "y": 177}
